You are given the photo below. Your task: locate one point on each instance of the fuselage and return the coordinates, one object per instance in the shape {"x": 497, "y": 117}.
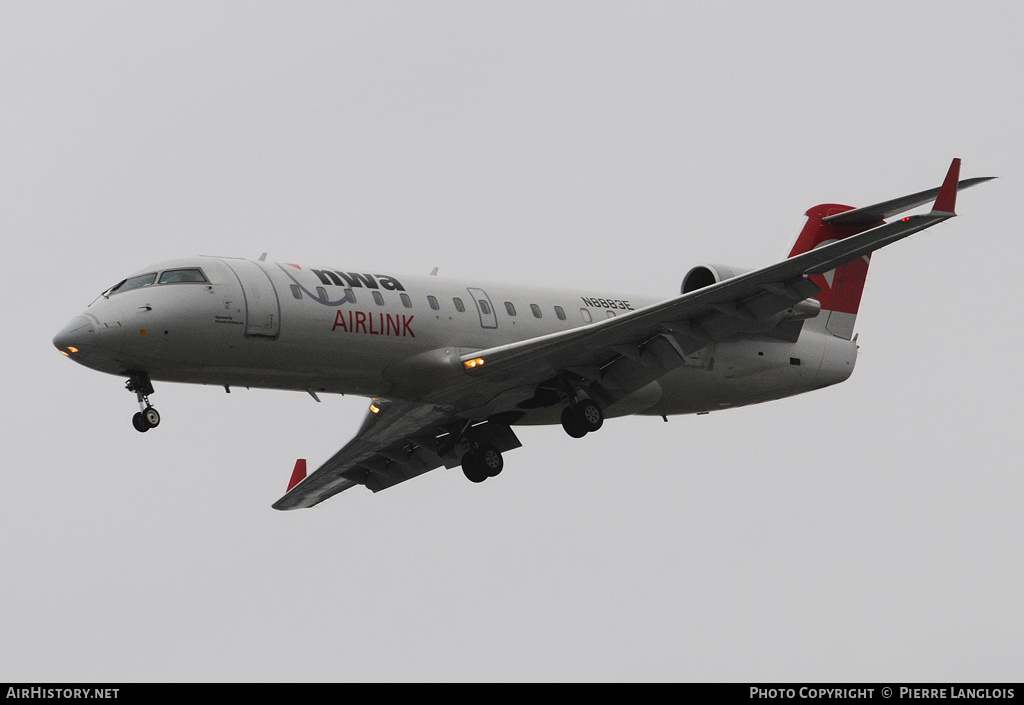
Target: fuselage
{"x": 236, "y": 322}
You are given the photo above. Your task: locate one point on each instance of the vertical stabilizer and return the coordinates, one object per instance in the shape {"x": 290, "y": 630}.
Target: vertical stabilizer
{"x": 841, "y": 288}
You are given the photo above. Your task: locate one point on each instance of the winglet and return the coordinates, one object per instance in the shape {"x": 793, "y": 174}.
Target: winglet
{"x": 298, "y": 474}
{"x": 945, "y": 202}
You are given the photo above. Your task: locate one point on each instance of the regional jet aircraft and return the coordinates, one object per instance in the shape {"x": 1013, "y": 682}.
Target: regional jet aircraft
{"x": 451, "y": 367}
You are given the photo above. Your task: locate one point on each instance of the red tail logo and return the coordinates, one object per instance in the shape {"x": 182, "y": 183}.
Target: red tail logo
{"x": 842, "y": 287}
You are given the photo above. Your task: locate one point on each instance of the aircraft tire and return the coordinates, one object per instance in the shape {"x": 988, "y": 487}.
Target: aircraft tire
{"x": 590, "y": 415}
{"x": 151, "y": 417}
{"x": 473, "y": 467}
{"x": 490, "y": 460}
{"x": 572, "y": 423}
{"x": 139, "y": 422}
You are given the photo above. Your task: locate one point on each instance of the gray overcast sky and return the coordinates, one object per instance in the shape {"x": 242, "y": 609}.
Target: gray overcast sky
{"x": 870, "y": 531}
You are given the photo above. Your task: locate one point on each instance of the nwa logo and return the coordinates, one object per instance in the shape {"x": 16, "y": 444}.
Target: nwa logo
{"x": 332, "y": 277}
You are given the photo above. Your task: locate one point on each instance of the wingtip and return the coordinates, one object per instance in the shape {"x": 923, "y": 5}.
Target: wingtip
{"x": 945, "y": 202}
{"x": 298, "y": 473}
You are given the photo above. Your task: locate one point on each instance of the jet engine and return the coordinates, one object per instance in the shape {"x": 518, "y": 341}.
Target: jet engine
{"x": 708, "y": 274}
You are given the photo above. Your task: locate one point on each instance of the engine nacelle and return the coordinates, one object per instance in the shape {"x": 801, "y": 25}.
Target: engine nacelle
{"x": 708, "y": 274}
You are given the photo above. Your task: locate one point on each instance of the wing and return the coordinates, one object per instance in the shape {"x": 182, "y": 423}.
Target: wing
{"x": 619, "y": 355}
{"x": 400, "y": 440}
{"x": 887, "y": 209}
{"x": 397, "y": 441}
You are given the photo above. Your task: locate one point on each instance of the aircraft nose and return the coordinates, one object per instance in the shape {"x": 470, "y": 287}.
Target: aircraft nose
{"x": 73, "y": 335}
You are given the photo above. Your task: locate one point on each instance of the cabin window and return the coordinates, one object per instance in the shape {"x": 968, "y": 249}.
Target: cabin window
{"x": 560, "y": 313}
{"x": 459, "y": 306}
{"x": 321, "y": 293}
{"x": 611, "y": 314}
{"x": 485, "y": 308}
{"x": 510, "y": 308}
{"x": 378, "y": 299}
{"x": 406, "y": 301}
{"x": 432, "y": 300}
{"x": 536, "y": 310}
{"x": 135, "y": 283}
{"x": 177, "y": 276}
{"x": 296, "y": 291}
{"x": 585, "y": 315}
{"x": 350, "y": 296}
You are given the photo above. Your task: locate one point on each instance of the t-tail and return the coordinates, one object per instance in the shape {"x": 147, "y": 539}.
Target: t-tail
{"x": 842, "y": 287}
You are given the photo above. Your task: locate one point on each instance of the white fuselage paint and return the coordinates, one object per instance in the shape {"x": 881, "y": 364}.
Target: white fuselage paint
{"x": 278, "y": 326}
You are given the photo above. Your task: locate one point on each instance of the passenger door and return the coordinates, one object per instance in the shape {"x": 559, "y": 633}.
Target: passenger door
{"x": 262, "y": 309}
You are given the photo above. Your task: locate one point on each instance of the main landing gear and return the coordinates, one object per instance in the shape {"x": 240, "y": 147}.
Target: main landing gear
{"x": 482, "y": 459}
{"x": 582, "y": 417}
{"x": 147, "y": 417}
{"x": 481, "y": 462}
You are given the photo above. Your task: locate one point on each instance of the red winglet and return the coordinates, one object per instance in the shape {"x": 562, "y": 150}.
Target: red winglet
{"x": 298, "y": 474}
{"x": 946, "y": 200}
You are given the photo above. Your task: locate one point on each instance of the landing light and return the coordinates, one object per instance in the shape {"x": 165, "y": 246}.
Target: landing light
{"x": 374, "y": 408}
{"x": 72, "y": 348}
{"x": 475, "y": 362}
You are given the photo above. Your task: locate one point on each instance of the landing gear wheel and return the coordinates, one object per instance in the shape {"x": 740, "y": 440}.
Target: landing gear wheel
{"x": 473, "y": 467}
{"x": 490, "y": 460}
{"x": 147, "y": 417}
{"x": 572, "y": 423}
{"x": 482, "y": 462}
{"x": 139, "y": 422}
{"x": 590, "y": 415}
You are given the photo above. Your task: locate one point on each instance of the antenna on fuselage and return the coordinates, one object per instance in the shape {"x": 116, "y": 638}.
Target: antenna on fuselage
{"x": 433, "y": 272}
{"x": 263, "y": 257}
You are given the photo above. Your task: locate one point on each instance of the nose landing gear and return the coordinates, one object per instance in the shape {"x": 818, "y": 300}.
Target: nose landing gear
{"x": 145, "y": 420}
{"x": 147, "y": 417}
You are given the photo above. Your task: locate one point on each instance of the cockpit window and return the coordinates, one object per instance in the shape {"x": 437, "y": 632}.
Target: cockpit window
{"x": 134, "y": 283}
{"x": 176, "y": 276}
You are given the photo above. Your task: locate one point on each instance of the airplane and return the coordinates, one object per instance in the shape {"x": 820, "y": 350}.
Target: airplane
{"x": 450, "y": 367}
